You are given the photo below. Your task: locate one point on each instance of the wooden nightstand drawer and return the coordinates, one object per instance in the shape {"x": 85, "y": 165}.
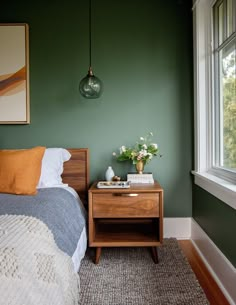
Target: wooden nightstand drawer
{"x": 120, "y": 205}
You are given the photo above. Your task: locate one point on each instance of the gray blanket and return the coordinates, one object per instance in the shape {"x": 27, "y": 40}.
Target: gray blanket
{"x": 56, "y": 207}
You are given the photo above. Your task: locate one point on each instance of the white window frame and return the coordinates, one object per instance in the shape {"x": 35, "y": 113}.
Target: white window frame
{"x": 204, "y": 173}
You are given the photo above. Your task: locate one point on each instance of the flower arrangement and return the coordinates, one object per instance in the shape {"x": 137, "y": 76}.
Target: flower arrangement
{"x": 144, "y": 150}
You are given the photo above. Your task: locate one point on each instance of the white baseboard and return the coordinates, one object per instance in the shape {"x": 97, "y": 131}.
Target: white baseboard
{"x": 179, "y": 228}
{"x": 218, "y": 265}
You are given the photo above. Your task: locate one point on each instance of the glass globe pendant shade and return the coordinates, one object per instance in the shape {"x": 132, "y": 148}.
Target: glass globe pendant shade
{"x": 91, "y": 86}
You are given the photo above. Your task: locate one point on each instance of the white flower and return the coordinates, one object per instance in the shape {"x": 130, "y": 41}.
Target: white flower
{"x": 114, "y": 153}
{"x": 141, "y": 139}
{"x": 154, "y": 145}
{"x": 143, "y": 152}
{"x": 144, "y": 146}
{"x": 122, "y": 149}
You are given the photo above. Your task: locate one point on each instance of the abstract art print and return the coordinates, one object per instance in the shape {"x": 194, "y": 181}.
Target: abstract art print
{"x": 14, "y": 73}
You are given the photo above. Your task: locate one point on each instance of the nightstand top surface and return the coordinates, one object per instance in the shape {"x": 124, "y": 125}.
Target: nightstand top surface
{"x": 137, "y": 187}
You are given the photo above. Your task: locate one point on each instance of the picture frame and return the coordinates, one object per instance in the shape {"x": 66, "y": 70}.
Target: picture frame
{"x": 14, "y": 73}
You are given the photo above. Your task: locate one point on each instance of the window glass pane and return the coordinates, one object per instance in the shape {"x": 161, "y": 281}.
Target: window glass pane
{"x": 221, "y": 23}
{"x": 228, "y": 106}
{"x": 230, "y": 17}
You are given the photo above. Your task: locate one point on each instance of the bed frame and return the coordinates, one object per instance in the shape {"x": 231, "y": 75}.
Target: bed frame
{"x": 76, "y": 172}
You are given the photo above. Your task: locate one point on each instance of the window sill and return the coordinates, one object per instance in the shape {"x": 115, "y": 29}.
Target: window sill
{"x": 221, "y": 189}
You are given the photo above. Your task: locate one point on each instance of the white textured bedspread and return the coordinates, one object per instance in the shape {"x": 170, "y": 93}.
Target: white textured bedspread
{"x": 33, "y": 270}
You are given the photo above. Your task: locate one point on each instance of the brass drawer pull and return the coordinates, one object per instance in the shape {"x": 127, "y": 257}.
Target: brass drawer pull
{"x": 125, "y": 195}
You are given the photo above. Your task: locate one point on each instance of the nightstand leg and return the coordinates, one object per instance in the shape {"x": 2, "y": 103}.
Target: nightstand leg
{"x": 98, "y": 254}
{"x": 155, "y": 255}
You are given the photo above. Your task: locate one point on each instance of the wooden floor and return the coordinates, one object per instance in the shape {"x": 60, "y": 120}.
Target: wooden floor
{"x": 210, "y": 287}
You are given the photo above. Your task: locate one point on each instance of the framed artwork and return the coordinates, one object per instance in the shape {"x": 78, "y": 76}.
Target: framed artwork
{"x": 14, "y": 73}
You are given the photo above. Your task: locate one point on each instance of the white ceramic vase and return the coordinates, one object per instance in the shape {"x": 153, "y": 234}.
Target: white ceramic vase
{"x": 109, "y": 174}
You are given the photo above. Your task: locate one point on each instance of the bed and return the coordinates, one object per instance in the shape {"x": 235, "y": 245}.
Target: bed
{"x": 43, "y": 238}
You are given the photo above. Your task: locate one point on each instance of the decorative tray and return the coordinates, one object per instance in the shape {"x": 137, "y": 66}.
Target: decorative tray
{"x": 113, "y": 184}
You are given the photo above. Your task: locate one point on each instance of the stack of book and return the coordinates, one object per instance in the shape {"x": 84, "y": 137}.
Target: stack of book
{"x": 140, "y": 178}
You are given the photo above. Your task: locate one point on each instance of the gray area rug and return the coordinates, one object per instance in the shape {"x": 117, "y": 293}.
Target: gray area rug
{"x": 128, "y": 276}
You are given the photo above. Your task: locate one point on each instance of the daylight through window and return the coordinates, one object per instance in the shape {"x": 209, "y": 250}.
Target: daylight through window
{"x": 224, "y": 82}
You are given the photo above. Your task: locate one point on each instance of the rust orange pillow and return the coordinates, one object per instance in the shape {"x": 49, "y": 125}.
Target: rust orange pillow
{"x": 20, "y": 170}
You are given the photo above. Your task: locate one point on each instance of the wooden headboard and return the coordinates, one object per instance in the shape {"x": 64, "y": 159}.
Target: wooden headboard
{"x": 76, "y": 171}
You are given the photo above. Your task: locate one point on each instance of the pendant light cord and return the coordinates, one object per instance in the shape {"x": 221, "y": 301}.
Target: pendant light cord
{"x": 90, "y": 34}
{"x": 90, "y": 86}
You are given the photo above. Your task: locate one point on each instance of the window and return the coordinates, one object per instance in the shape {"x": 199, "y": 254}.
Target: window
{"x": 224, "y": 84}
{"x": 215, "y": 97}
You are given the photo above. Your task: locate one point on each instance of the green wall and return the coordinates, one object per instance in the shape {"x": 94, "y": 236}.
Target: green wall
{"x": 217, "y": 219}
{"x": 142, "y": 50}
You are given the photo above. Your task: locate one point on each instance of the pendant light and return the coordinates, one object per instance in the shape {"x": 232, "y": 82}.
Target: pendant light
{"x": 90, "y": 86}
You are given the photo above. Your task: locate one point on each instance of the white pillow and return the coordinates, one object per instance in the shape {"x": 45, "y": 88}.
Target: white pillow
{"x": 52, "y": 167}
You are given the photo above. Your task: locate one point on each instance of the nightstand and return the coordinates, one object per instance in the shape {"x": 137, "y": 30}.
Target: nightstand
{"x": 131, "y": 217}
